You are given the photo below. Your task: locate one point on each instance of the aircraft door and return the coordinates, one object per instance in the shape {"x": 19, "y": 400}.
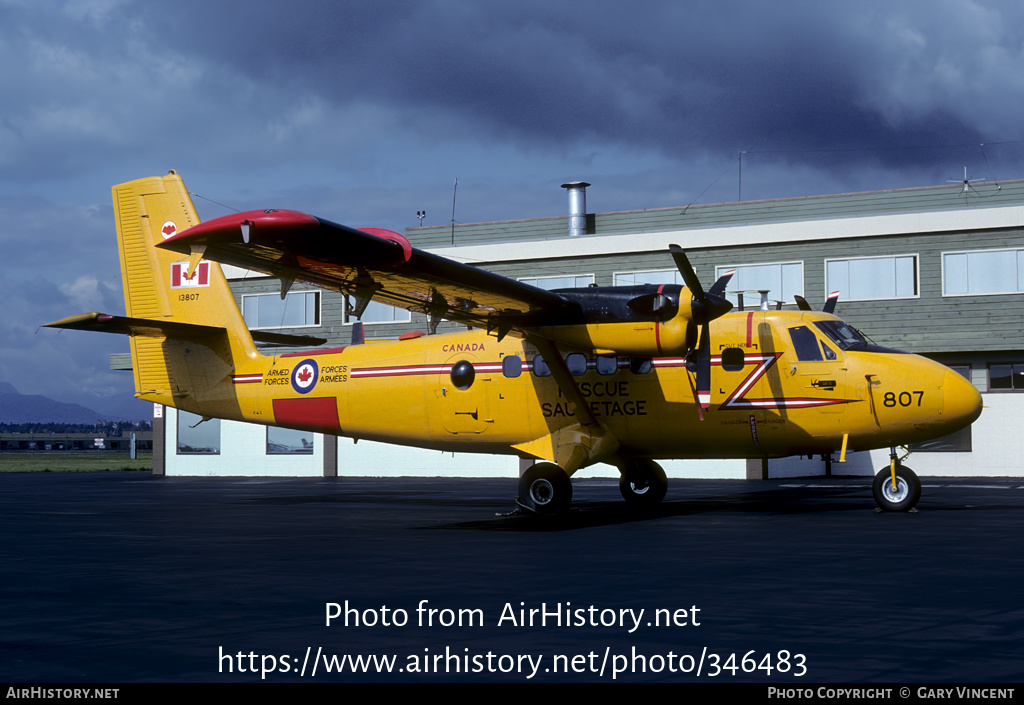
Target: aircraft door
{"x": 820, "y": 379}
{"x": 463, "y": 389}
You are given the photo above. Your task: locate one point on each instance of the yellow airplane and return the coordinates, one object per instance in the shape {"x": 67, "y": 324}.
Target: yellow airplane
{"x": 619, "y": 375}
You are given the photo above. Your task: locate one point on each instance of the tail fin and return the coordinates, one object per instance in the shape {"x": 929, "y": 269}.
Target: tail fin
{"x": 184, "y": 371}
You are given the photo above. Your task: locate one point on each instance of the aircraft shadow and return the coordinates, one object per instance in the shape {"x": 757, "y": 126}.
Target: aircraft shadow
{"x": 590, "y": 514}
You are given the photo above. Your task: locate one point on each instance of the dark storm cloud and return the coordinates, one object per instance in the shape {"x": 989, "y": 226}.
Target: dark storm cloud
{"x": 364, "y": 112}
{"x": 796, "y": 77}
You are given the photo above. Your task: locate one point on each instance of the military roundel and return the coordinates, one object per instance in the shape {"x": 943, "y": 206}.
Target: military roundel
{"x": 304, "y": 376}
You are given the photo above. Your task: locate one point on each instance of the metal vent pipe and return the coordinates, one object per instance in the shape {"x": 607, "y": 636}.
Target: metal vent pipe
{"x": 577, "y": 207}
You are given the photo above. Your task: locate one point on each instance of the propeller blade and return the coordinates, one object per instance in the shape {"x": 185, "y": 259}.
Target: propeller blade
{"x": 830, "y": 303}
{"x": 704, "y": 369}
{"x": 689, "y": 276}
{"x": 801, "y": 303}
{"x": 718, "y": 288}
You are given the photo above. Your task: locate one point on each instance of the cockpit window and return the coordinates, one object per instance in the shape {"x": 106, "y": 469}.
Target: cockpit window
{"x": 841, "y": 334}
{"x": 806, "y": 344}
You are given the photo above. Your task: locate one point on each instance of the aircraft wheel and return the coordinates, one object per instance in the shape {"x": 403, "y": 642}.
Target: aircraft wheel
{"x": 545, "y": 489}
{"x": 904, "y": 497}
{"x": 643, "y": 483}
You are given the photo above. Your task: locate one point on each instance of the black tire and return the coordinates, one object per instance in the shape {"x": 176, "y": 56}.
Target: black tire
{"x": 642, "y": 483}
{"x": 904, "y": 497}
{"x": 545, "y": 489}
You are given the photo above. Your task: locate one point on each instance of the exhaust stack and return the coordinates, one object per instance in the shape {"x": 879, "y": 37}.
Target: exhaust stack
{"x": 577, "y": 207}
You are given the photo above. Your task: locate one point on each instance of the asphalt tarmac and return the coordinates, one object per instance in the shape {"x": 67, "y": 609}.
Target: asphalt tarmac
{"x": 124, "y": 577}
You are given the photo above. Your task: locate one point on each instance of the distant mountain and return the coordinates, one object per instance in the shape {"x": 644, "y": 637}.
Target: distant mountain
{"x": 33, "y": 408}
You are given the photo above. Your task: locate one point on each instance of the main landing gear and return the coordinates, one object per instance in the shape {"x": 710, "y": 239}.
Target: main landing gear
{"x": 896, "y": 487}
{"x": 642, "y": 483}
{"x": 545, "y": 489}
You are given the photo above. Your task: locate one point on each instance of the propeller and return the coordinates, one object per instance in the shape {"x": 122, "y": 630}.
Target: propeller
{"x": 704, "y": 308}
{"x": 829, "y": 307}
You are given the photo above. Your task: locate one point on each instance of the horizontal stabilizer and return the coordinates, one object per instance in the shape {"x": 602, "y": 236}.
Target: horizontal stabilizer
{"x": 148, "y": 327}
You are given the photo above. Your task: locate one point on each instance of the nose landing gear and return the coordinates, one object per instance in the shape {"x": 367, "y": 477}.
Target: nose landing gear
{"x": 896, "y": 487}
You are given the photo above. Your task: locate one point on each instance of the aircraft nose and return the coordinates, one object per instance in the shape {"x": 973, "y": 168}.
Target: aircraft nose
{"x": 961, "y": 402}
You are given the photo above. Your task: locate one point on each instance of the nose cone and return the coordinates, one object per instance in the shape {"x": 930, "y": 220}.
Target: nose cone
{"x": 961, "y": 402}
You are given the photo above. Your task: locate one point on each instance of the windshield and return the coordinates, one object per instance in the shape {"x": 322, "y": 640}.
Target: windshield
{"x": 841, "y": 334}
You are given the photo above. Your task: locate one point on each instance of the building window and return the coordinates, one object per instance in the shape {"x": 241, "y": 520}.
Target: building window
{"x": 287, "y": 441}
{"x": 866, "y": 278}
{"x": 782, "y": 280}
{"x": 1006, "y": 377}
{"x": 298, "y": 309}
{"x": 377, "y": 312}
{"x": 566, "y": 282}
{"x": 982, "y": 272}
{"x": 661, "y": 276}
{"x": 195, "y": 438}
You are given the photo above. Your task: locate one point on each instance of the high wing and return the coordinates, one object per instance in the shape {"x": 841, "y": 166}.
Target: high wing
{"x": 371, "y": 264}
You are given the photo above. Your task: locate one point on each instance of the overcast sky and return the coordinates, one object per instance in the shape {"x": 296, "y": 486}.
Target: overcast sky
{"x": 365, "y": 112}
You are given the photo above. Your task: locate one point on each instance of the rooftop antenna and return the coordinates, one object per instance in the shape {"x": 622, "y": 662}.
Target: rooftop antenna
{"x": 966, "y": 182}
{"x": 421, "y": 215}
{"x": 739, "y": 180}
{"x": 455, "y": 190}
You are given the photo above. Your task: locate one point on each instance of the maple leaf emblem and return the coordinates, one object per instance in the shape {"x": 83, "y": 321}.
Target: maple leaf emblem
{"x": 304, "y": 375}
{"x": 169, "y": 229}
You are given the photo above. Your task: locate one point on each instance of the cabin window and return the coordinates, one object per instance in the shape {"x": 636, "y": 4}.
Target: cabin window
{"x": 732, "y": 359}
{"x": 577, "y": 363}
{"x": 463, "y": 374}
{"x": 540, "y": 368}
{"x": 866, "y": 278}
{"x": 640, "y": 365}
{"x": 844, "y": 336}
{"x": 512, "y": 366}
{"x": 830, "y": 354}
{"x": 298, "y": 309}
{"x": 806, "y": 344}
{"x": 782, "y": 280}
{"x": 607, "y": 364}
{"x": 984, "y": 272}
{"x": 195, "y": 438}
{"x": 288, "y": 441}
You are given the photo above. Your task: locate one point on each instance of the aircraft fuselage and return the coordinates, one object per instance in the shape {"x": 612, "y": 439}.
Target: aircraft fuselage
{"x": 468, "y": 391}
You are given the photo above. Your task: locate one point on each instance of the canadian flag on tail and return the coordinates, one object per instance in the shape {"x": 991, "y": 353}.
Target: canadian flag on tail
{"x": 181, "y": 280}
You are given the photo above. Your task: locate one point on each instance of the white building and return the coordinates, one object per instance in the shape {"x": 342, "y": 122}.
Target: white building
{"x": 936, "y": 271}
